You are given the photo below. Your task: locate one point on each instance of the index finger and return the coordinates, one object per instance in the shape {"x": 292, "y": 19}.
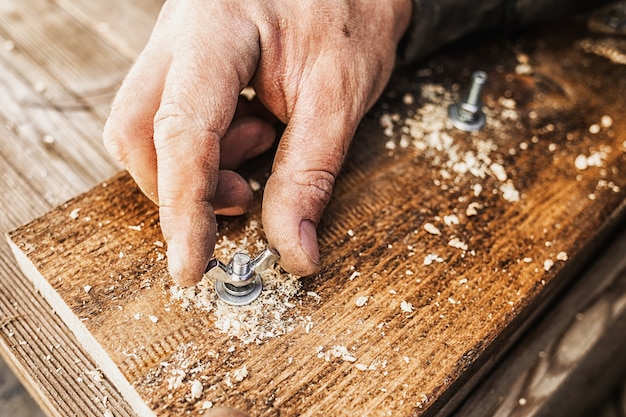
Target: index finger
{"x": 197, "y": 105}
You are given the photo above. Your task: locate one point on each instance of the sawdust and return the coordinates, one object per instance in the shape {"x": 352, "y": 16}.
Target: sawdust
{"x": 335, "y": 352}
{"x": 361, "y": 301}
{"x": 267, "y": 317}
{"x": 432, "y": 229}
{"x": 429, "y": 133}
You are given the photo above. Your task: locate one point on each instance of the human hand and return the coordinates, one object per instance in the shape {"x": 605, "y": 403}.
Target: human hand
{"x": 177, "y": 124}
{"x": 224, "y": 412}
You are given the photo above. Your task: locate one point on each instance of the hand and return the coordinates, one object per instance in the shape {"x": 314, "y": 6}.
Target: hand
{"x": 224, "y": 412}
{"x": 177, "y": 124}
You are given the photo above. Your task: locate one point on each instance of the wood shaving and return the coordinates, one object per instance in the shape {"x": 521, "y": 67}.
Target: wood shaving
{"x": 594, "y": 129}
{"x": 354, "y": 275}
{"x": 74, "y": 214}
{"x": 548, "y": 264}
{"x": 431, "y": 257}
{"x": 432, "y": 229}
{"x": 196, "y": 389}
{"x": 406, "y": 307}
{"x": 606, "y": 121}
{"x": 269, "y": 316}
{"x": 240, "y": 374}
{"x": 450, "y": 220}
{"x": 361, "y": 367}
{"x": 457, "y": 243}
{"x": 427, "y": 130}
{"x": 255, "y": 185}
{"x": 498, "y": 171}
{"x": 95, "y": 375}
{"x": 472, "y": 209}
{"x": 610, "y": 48}
{"x": 361, "y": 301}
{"x": 595, "y": 159}
{"x": 336, "y": 352}
{"x": 509, "y": 192}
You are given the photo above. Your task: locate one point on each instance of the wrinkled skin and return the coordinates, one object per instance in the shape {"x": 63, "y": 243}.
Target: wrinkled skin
{"x": 179, "y": 126}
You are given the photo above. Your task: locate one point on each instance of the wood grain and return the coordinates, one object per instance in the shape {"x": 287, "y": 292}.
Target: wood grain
{"x": 57, "y": 76}
{"x": 568, "y": 364}
{"x": 467, "y": 309}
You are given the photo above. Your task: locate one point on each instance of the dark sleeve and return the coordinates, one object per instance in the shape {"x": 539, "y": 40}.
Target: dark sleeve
{"x": 436, "y": 22}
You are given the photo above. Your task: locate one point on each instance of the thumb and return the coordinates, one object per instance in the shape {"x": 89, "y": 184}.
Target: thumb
{"x": 308, "y": 159}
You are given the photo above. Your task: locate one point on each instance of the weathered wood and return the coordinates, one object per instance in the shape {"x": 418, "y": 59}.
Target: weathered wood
{"x": 124, "y": 24}
{"x": 571, "y": 360}
{"x": 93, "y": 257}
{"x": 57, "y": 75}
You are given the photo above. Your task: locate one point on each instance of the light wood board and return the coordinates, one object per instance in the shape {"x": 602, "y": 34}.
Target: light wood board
{"x": 466, "y": 309}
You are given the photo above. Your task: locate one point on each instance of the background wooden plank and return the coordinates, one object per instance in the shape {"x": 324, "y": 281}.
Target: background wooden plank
{"x": 123, "y": 24}
{"x": 569, "y": 363}
{"x": 379, "y": 358}
{"x": 57, "y": 75}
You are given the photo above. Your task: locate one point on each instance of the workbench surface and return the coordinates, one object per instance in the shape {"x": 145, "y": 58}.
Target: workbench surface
{"x": 442, "y": 248}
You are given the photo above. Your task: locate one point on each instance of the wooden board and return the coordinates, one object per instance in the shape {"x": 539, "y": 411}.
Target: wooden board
{"x": 58, "y": 76}
{"x": 98, "y": 259}
{"x": 571, "y": 360}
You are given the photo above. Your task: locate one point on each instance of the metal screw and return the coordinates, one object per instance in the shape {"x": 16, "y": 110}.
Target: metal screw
{"x": 239, "y": 282}
{"x": 468, "y": 115}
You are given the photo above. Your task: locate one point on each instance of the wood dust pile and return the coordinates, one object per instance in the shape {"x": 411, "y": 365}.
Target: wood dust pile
{"x": 267, "y": 317}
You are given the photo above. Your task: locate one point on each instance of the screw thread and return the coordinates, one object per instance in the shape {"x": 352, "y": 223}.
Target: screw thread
{"x": 241, "y": 264}
{"x": 479, "y": 78}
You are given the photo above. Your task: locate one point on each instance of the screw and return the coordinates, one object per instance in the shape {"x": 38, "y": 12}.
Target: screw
{"x": 241, "y": 265}
{"x": 239, "y": 282}
{"x": 468, "y": 115}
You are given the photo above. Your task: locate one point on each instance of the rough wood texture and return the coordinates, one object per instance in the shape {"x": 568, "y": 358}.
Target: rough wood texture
{"x": 57, "y": 76}
{"x": 466, "y": 309}
{"x": 570, "y": 362}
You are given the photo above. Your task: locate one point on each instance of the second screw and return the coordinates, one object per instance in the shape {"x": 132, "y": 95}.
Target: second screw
{"x": 468, "y": 115}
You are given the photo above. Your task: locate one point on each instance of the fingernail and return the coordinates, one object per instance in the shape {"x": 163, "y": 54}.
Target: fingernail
{"x": 308, "y": 240}
{"x": 230, "y": 211}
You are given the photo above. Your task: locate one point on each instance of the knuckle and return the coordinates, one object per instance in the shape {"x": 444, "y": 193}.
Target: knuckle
{"x": 317, "y": 186}
{"x": 170, "y": 122}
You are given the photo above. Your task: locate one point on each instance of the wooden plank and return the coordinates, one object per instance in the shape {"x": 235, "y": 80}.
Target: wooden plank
{"x": 573, "y": 359}
{"x": 57, "y": 76}
{"x": 99, "y": 261}
{"x": 42, "y": 351}
{"x": 66, "y": 62}
{"x": 124, "y": 24}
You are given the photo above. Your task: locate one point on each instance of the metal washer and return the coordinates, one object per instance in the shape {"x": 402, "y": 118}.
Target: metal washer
{"x": 476, "y": 122}
{"x": 239, "y": 300}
